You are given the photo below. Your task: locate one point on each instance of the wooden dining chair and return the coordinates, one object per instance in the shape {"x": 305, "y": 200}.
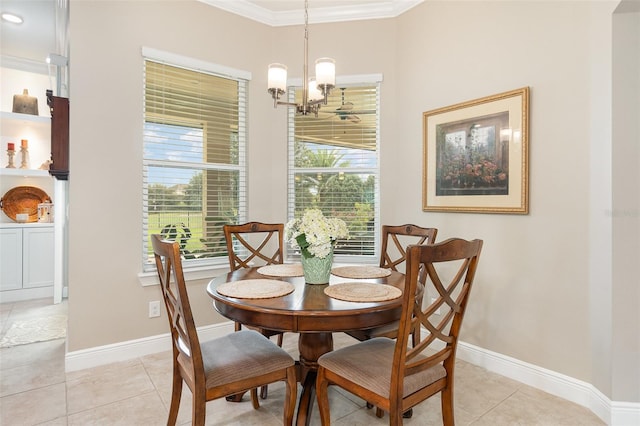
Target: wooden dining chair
{"x": 235, "y": 363}
{"x": 392, "y": 374}
{"x": 243, "y": 250}
{"x": 254, "y": 242}
{"x": 393, "y": 255}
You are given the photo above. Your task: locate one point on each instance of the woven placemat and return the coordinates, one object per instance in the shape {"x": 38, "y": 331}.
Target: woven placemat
{"x": 361, "y": 271}
{"x": 284, "y": 270}
{"x": 363, "y": 292}
{"x": 255, "y": 289}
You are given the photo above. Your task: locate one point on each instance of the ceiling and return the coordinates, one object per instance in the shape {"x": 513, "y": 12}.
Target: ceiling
{"x": 291, "y": 12}
{"x": 35, "y": 38}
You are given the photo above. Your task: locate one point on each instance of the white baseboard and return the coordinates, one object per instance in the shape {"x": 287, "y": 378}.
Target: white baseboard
{"x": 19, "y": 295}
{"x": 123, "y": 351}
{"x": 611, "y": 412}
{"x": 625, "y": 413}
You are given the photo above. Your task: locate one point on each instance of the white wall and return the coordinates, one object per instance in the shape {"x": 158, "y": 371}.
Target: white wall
{"x": 532, "y": 298}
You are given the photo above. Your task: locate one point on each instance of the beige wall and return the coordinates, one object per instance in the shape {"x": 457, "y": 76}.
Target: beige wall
{"x": 626, "y": 203}
{"x": 533, "y": 298}
{"x": 532, "y": 285}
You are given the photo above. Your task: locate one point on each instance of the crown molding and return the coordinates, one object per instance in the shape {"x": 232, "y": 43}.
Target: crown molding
{"x": 361, "y": 11}
{"x": 24, "y": 64}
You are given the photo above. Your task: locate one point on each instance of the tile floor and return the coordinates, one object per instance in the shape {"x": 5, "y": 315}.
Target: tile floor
{"x": 35, "y": 390}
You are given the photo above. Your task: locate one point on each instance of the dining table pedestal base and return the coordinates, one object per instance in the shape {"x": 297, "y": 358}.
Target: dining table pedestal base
{"x": 311, "y": 346}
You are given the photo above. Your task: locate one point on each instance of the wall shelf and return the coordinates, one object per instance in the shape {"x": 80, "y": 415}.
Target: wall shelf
{"x": 28, "y": 118}
{"x": 24, "y": 172}
{"x": 35, "y": 129}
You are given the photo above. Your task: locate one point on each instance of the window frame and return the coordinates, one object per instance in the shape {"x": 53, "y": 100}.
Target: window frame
{"x": 196, "y": 268}
{"x": 373, "y": 80}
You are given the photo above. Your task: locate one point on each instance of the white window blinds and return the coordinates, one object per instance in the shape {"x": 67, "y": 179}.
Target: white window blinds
{"x": 333, "y": 164}
{"x": 194, "y": 174}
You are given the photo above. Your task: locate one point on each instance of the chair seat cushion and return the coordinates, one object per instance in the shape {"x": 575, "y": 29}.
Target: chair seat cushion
{"x": 241, "y": 355}
{"x": 369, "y": 365}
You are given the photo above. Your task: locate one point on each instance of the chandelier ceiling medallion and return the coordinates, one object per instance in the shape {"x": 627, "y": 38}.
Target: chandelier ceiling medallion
{"x": 315, "y": 90}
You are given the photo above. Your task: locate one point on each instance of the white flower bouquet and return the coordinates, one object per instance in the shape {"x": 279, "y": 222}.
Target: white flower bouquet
{"x": 314, "y": 233}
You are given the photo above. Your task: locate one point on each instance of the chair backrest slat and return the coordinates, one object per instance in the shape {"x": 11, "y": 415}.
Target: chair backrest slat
{"x": 450, "y": 268}
{"x": 393, "y": 255}
{"x": 184, "y": 336}
{"x": 242, "y": 251}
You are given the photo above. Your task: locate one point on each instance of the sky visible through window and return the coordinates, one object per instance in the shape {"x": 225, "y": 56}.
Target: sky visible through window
{"x": 177, "y": 144}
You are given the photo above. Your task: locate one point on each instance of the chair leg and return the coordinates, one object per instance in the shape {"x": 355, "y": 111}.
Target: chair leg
{"x": 291, "y": 395}
{"x": 380, "y": 413}
{"x": 199, "y": 409}
{"x": 395, "y": 419}
{"x": 176, "y": 393}
{"x": 235, "y": 398}
{"x": 254, "y": 398}
{"x": 446, "y": 399}
{"x": 264, "y": 391}
{"x": 323, "y": 397}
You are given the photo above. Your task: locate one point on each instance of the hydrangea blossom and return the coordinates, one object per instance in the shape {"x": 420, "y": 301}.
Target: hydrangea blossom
{"x": 314, "y": 234}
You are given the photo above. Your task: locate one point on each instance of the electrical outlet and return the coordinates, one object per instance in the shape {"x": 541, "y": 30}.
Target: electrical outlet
{"x": 433, "y": 299}
{"x": 154, "y": 309}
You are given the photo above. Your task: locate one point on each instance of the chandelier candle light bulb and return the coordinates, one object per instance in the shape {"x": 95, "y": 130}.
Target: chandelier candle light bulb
{"x": 315, "y": 93}
{"x": 326, "y": 72}
{"x": 278, "y": 77}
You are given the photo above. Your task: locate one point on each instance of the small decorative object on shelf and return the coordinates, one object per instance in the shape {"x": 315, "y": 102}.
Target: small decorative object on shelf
{"x": 25, "y": 104}
{"x": 11, "y": 153}
{"x": 24, "y": 150}
{"x": 22, "y": 217}
{"x": 315, "y": 235}
{"x": 45, "y": 212}
{"x": 45, "y": 165}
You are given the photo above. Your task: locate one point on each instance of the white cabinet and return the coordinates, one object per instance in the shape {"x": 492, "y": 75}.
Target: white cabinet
{"x": 26, "y": 262}
{"x": 37, "y": 257}
{"x": 10, "y": 259}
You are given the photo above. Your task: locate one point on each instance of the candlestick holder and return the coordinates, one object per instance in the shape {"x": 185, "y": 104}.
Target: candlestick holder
{"x": 11, "y": 153}
{"x": 25, "y": 157}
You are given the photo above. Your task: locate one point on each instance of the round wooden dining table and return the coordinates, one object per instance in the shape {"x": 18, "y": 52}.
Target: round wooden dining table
{"x": 311, "y": 313}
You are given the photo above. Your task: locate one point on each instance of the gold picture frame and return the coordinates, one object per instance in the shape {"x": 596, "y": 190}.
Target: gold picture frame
{"x": 476, "y": 155}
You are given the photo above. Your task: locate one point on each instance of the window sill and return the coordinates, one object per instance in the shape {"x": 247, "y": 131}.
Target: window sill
{"x": 150, "y": 278}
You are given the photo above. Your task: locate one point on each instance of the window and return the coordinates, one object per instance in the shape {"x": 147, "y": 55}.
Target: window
{"x": 194, "y": 176}
{"x": 333, "y": 165}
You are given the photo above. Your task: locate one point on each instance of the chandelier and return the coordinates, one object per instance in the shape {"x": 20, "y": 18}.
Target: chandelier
{"x": 315, "y": 90}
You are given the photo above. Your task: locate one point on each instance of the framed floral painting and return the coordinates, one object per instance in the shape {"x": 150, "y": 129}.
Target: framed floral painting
{"x": 476, "y": 155}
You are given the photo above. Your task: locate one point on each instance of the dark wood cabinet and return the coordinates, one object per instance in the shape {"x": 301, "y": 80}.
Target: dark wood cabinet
{"x": 59, "y": 136}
